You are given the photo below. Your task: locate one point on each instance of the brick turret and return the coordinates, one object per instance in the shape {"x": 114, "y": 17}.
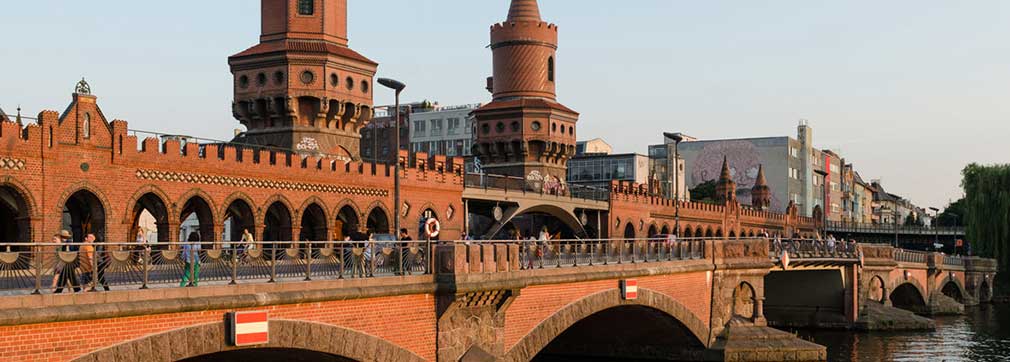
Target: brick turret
{"x": 761, "y": 194}
{"x": 302, "y": 87}
{"x": 725, "y": 189}
{"x": 524, "y": 131}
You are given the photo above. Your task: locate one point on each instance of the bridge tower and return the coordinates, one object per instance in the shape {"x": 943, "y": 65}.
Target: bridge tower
{"x": 524, "y": 131}
{"x": 302, "y": 87}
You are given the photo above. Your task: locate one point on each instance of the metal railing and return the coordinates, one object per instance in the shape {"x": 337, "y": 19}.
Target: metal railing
{"x": 541, "y": 187}
{"x": 910, "y": 256}
{"x": 45, "y": 267}
{"x": 839, "y": 226}
{"x": 812, "y": 249}
{"x": 533, "y": 254}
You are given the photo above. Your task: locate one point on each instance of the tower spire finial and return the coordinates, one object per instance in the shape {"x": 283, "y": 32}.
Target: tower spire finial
{"x": 524, "y": 10}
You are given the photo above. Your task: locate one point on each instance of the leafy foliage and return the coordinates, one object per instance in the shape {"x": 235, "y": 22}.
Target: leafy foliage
{"x": 953, "y": 214}
{"x": 704, "y": 192}
{"x": 987, "y": 202}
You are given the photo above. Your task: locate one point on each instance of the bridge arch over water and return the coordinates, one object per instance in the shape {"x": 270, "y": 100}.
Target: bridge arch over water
{"x": 200, "y": 342}
{"x": 909, "y": 295}
{"x": 953, "y": 288}
{"x": 652, "y": 312}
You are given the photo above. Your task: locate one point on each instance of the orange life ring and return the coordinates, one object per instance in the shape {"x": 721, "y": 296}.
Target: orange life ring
{"x": 432, "y": 227}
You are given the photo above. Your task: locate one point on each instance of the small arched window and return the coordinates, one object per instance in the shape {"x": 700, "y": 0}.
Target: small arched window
{"x": 306, "y": 7}
{"x": 550, "y": 69}
{"x": 86, "y": 128}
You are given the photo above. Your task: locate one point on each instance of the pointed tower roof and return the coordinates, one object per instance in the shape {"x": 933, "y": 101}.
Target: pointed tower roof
{"x": 761, "y": 181}
{"x": 725, "y": 169}
{"x": 524, "y": 10}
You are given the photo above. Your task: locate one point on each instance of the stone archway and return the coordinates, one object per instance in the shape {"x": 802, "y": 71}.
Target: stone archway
{"x": 205, "y": 339}
{"x": 197, "y": 216}
{"x": 542, "y": 335}
{"x": 84, "y": 213}
{"x": 347, "y": 222}
{"x": 239, "y": 218}
{"x": 953, "y": 288}
{"x": 15, "y": 216}
{"x": 314, "y": 225}
{"x": 277, "y": 224}
{"x": 149, "y": 219}
{"x": 910, "y": 296}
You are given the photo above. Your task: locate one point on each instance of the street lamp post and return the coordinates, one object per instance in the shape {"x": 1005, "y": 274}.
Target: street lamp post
{"x": 398, "y": 87}
{"x": 936, "y": 232}
{"x": 677, "y": 139}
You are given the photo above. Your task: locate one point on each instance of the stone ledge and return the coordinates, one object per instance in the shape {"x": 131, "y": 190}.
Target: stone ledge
{"x": 552, "y": 275}
{"x": 68, "y": 313}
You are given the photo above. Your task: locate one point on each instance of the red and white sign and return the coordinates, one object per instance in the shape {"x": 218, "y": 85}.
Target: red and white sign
{"x": 629, "y": 289}
{"x": 248, "y": 328}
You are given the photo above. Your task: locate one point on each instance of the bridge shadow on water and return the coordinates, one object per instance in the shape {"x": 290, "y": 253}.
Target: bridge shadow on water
{"x": 269, "y": 355}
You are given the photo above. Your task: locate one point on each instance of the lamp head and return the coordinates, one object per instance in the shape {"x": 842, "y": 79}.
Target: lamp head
{"x": 392, "y": 84}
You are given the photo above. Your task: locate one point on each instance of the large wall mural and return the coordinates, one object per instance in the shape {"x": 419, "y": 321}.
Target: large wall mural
{"x": 744, "y": 160}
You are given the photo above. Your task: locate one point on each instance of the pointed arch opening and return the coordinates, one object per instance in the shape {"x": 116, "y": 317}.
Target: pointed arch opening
{"x": 149, "y": 220}
{"x": 239, "y": 219}
{"x": 550, "y": 69}
{"x": 196, "y": 217}
{"x": 313, "y": 226}
{"x": 277, "y": 223}
{"x": 629, "y": 231}
{"x": 378, "y": 222}
{"x": 83, "y": 214}
{"x": 15, "y": 217}
{"x": 347, "y": 222}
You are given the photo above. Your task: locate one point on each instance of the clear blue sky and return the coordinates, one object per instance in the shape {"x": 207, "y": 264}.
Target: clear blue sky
{"x": 908, "y": 90}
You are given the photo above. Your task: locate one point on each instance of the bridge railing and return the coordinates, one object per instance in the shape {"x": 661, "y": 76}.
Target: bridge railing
{"x": 541, "y": 187}
{"x": 849, "y": 227}
{"x": 910, "y": 256}
{"x": 47, "y": 267}
{"x": 953, "y": 260}
{"x": 810, "y": 248}
{"x": 535, "y": 254}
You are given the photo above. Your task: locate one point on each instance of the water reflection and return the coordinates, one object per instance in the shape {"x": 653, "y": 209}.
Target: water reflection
{"x": 981, "y": 335}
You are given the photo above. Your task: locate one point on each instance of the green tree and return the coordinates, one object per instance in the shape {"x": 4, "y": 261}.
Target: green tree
{"x": 987, "y": 217}
{"x": 704, "y": 192}
{"x": 953, "y": 214}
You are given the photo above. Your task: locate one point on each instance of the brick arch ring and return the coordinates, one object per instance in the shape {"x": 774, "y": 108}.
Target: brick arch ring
{"x": 207, "y": 339}
{"x": 541, "y": 335}
{"x": 899, "y": 281}
{"x": 957, "y": 283}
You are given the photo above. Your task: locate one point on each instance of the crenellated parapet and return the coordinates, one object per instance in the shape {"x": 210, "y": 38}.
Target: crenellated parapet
{"x": 648, "y": 212}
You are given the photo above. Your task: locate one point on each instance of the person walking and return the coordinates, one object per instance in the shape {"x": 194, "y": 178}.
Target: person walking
{"x": 67, "y": 271}
{"x": 191, "y": 261}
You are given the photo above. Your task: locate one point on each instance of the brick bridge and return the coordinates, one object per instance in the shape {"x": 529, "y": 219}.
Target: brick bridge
{"x": 698, "y": 299}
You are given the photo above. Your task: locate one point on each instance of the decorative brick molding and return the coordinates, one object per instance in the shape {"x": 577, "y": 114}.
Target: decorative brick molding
{"x": 194, "y": 178}
{"x": 210, "y": 338}
{"x": 14, "y": 164}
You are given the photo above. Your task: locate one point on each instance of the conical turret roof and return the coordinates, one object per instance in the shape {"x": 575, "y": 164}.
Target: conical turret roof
{"x": 524, "y": 10}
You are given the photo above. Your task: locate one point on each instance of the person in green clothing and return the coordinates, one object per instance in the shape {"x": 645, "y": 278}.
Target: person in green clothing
{"x": 191, "y": 260}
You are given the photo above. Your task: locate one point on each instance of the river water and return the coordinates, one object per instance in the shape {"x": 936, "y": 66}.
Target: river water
{"x": 981, "y": 335}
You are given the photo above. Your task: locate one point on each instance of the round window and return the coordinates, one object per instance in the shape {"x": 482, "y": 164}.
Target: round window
{"x": 308, "y": 77}
{"x": 535, "y": 126}
{"x": 515, "y": 126}
{"x": 485, "y": 128}
{"x": 279, "y": 78}
{"x": 243, "y": 81}
{"x": 261, "y": 79}
{"x": 364, "y": 86}
{"x": 500, "y": 127}
{"x": 334, "y": 80}
{"x": 349, "y": 82}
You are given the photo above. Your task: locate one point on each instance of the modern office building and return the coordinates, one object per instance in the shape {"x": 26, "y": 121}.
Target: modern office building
{"x": 442, "y": 130}
{"x": 599, "y": 169}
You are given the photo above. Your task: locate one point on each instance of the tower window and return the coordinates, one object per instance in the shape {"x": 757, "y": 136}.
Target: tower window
{"x": 550, "y": 69}
{"x": 306, "y": 7}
